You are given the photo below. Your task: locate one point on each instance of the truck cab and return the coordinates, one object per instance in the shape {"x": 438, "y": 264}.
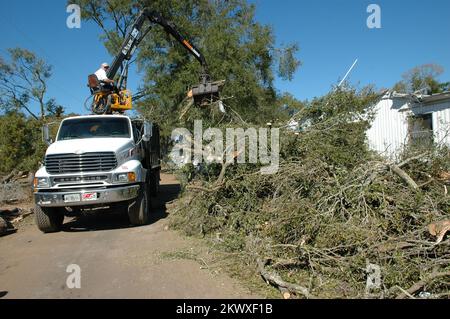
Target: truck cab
{"x": 104, "y": 161}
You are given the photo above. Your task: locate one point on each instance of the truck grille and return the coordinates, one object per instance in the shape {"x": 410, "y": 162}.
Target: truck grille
{"x": 84, "y": 163}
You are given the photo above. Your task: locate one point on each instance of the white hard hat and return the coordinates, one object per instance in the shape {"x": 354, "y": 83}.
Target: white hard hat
{"x": 105, "y": 65}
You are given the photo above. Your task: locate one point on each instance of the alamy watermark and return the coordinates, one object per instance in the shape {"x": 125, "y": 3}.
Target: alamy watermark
{"x": 227, "y": 148}
{"x": 374, "y": 19}
{"x": 74, "y": 279}
{"x": 373, "y": 277}
{"x": 74, "y": 19}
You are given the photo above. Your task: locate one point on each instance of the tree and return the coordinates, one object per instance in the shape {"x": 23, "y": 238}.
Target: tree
{"x": 237, "y": 48}
{"x": 54, "y": 109}
{"x": 23, "y": 81}
{"x": 21, "y": 145}
{"x": 422, "y": 77}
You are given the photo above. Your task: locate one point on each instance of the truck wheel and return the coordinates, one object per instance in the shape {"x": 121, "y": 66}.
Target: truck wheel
{"x": 139, "y": 209}
{"x": 154, "y": 182}
{"x": 48, "y": 220}
{"x": 3, "y": 226}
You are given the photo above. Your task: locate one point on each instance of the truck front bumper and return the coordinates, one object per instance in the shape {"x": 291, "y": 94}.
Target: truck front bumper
{"x": 104, "y": 196}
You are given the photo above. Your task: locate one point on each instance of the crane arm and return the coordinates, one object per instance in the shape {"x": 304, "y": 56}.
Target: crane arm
{"x": 132, "y": 41}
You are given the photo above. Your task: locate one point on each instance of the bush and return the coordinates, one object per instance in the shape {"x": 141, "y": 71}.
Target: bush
{"x": 21, "y": 145}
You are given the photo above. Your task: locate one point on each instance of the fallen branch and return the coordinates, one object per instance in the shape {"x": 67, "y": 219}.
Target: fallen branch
{"x": 407, "y": 161}
{"x": 222, "y": 173}
{"x": 274, "y": 279}
{"x": 19, "y": 175}
{"x": 204, "y": 189}
{"x": 403, "y": 175}
{"x": 225, "y": 166}
{"x": 288, "y": 264}
{"x": 426, "y": 183}
{"x": 420, "y": 284}
{"x": 407, "y": 294}
{"x": 8, "y": 177}
{"x": 397, "y": 169}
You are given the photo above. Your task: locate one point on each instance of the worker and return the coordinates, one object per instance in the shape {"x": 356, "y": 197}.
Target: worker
{"x": 103, "y": 78}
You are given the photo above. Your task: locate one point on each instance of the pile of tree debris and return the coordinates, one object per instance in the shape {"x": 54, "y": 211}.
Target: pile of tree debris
{"x": 10, "y": 217}
{"x": 15, "y": 188}
{"x": 337, "y": 220}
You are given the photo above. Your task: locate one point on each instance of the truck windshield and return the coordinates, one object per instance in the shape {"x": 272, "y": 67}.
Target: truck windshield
{"x": 94, "y": 128}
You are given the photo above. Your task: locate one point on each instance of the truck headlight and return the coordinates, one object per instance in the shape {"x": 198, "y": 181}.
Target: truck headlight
{"x": 125, "y": 177}
{"x": 41, "y": 182}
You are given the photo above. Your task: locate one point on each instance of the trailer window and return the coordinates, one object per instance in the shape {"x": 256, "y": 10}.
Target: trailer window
{"x": 421, "y": 129}
{"x": 94, "y": 128}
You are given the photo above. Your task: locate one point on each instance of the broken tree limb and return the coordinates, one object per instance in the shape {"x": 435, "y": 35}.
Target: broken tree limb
{"x": 274, "y": 279}
{"x": 204, "y": 189}
{"x": 222, "y": 173}
{"x": 19, "y": 175}
{"x": 426, "y": 183}
{"x": 403, "y": 175}
{"x": 414, "y": 158}
{"x": 397, "y": 169}
{"x": 420, "y": 284}
{"x": 8, "y": 177}
{"x": 225, "y": 166}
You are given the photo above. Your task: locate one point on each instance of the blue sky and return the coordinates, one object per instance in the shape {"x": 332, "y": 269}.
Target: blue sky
{"x": 331, "y": 35}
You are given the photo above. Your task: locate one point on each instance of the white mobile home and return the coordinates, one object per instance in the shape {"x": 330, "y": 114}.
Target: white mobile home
{"x": 401, "y": 118}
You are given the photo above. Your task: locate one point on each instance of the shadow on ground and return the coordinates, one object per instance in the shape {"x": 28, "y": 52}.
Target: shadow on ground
{"x": 117, "y": 219}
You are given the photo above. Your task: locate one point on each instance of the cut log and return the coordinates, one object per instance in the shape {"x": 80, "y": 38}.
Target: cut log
{"x": 274, "y": 279}
{"x": 286, "y": 293}
{"x": 16, "y": 220}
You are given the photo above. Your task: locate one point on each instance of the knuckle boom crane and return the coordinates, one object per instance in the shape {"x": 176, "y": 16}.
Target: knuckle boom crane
{"x": 120, "y": 99}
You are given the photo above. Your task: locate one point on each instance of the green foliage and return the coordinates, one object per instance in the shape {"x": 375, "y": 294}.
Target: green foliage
{"x": 22, "y": 85}
{"x": 54, "y": 109}
{"x": 23, "y": 82}
{"x": 422, "y": 77}
{"x": 21, "y": 145}
{"x": 332, "y": 208}
{"x": 237, "y": 48}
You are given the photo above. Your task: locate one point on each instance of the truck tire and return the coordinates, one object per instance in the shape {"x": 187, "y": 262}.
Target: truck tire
{"x": 48, "y": 220}
{"x": 154, "y": 182}
{"x": 139, "y": 209}
{"x": 3, "y": 226}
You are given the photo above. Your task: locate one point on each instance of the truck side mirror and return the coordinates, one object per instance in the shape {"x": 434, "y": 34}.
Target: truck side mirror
{"x": 148, "y": 131}
{"x": 46, "y": 134}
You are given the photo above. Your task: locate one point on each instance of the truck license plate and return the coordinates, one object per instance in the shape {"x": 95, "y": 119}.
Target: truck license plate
{"x": 70, "y": 198}
{"x": 89, "y": 196}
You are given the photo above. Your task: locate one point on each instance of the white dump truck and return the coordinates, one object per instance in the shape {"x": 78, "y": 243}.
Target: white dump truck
{"x": 98, "y": 161}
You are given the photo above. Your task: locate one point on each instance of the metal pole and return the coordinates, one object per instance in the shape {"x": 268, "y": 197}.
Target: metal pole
{"x": 348, "y": 72}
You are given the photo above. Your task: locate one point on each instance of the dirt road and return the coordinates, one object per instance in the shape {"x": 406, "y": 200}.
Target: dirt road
{"x": 116, "y": 260}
